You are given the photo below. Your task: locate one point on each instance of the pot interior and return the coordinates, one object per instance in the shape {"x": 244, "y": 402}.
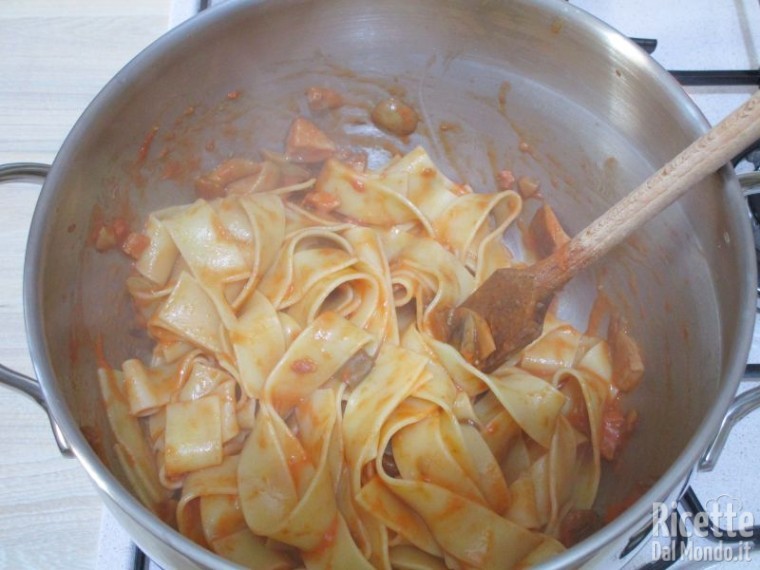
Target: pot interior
{"x": 534, "y": 87}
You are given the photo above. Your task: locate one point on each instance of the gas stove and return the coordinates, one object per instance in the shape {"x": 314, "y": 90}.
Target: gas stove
{"x": 713, "y": 48}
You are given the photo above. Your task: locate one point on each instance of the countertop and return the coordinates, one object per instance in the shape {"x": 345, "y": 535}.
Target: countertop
{"x": 57, "y": 55}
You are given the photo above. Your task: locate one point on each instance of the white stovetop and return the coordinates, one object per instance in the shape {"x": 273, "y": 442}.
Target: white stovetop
{"x": 693, "y": 34}
{"x": 56, "y": 57}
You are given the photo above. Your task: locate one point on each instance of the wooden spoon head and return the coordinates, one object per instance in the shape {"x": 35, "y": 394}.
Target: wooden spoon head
{"x": 502, "y": 316}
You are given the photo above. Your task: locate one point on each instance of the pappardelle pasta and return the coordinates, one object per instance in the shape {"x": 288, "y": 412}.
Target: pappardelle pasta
{"x": 300, "y": 408}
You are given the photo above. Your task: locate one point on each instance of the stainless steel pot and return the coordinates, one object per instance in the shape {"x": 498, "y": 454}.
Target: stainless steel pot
{"x": 533, "y": 85}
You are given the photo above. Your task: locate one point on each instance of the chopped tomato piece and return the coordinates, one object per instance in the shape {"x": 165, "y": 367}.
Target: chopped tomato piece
{"x": 505, "y": 180}
{"x": 323, "y": 99}
{"x": 322, "y": 201}
{"x": 546, "y": 232}
{"x": 306, "y": 143}
{"x": 120, "y": 230}
{"x": 207, "y": 189}
{"x": 135, "y": 245}
{"x": 213, "y": 184}
{"x": 616, "y": 428}
{"x": 111, "y": 235}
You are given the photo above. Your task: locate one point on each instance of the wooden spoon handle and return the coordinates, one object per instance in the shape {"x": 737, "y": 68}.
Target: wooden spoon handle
{"x": 700, "y": 159}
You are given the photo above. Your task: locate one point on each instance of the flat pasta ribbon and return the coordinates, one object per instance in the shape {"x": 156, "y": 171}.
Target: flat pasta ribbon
{"x": 300, "y": 407}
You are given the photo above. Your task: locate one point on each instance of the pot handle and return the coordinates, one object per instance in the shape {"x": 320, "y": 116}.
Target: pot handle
{"x": 742, "y": 405}
{"x": 29, "y": 172}
{"x": 745, "y": 402}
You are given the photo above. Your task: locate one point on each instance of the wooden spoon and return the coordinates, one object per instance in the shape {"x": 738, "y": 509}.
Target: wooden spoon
{"x": 506, "y": 313}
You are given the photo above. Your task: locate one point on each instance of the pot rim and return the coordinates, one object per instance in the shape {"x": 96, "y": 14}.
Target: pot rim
{"x": 107, "y": 483}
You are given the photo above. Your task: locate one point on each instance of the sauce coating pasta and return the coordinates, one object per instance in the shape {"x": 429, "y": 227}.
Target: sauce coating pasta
{"x": 300, "y": 409}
